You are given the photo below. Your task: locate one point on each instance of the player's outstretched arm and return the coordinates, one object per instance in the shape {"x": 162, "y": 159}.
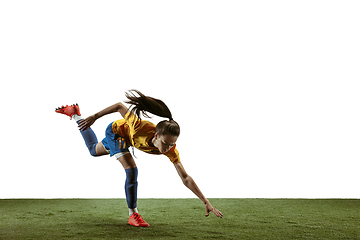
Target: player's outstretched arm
{"x": 118, "y": 107}
{"x": 190, "y": 183}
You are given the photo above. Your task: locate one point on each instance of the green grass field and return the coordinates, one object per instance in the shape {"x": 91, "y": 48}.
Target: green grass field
{"x": 181, "y": 219}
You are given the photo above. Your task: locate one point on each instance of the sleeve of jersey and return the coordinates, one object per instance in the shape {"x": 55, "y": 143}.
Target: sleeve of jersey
{"x": 173, "y": 155}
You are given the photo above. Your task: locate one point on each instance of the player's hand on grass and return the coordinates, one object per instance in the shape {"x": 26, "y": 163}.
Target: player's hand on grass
{"x": 86, "y": 123}
{"x": 209, "y": 208}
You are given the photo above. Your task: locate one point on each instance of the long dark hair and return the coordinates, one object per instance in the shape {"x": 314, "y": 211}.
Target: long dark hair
{"x": 144, "y": 104}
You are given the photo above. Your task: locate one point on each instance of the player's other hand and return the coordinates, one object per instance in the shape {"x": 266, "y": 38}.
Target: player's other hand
{"x": 86, "y": 123}
{"x": 209, "y": 208}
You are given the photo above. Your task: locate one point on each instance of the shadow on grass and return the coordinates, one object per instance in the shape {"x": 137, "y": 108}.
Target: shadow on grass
{"x": 113, "y": 229}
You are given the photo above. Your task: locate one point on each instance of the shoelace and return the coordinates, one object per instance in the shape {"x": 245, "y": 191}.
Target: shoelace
{"x": 138, "y": 218}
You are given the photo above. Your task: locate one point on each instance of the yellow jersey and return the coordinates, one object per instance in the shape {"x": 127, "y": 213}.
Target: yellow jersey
{"x": 138, "y": 133}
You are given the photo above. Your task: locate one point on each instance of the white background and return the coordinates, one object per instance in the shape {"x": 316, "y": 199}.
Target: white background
{"x": 266, "y": 92}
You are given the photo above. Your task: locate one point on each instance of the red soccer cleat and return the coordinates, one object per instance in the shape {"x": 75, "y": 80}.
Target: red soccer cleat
{"x": 137, "y": 221}
{"x": 69, "y": 110}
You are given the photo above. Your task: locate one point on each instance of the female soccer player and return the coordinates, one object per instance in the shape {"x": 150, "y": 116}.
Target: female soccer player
{"x": 144, "y": 135}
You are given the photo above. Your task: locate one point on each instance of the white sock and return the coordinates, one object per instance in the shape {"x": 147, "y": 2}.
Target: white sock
{"x": 77, "y": 117}
{"x": 132, "y": 211}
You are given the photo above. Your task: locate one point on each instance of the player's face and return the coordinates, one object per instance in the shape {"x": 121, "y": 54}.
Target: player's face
{"x": 164, "y": 142}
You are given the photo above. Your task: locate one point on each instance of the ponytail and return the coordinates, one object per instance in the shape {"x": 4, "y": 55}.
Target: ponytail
{"x": 144, "y": 104}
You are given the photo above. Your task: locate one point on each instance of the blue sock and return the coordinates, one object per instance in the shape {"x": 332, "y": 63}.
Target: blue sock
{"x": 131, "y": 185}
{"x": 90, "y": 140}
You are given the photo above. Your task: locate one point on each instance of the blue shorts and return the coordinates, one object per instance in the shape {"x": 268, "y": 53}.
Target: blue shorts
{"x": 114, "y": 142}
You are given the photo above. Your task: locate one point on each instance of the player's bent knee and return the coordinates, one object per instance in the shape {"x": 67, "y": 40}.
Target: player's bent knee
{"x": 92, "y": 150}
{"x": 93, "y": 154}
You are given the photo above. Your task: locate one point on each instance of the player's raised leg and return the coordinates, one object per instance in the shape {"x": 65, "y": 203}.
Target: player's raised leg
{"x": 101, "y": 150}
{"x": 95, "y": 148}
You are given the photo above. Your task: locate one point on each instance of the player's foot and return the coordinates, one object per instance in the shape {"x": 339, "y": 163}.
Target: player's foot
{"x": 69, "y": 110}
{"x": 137, "y": 221}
